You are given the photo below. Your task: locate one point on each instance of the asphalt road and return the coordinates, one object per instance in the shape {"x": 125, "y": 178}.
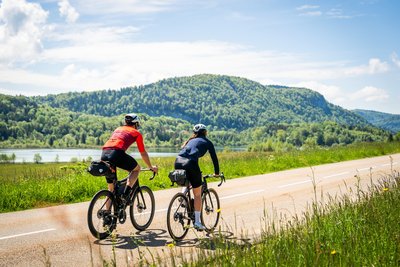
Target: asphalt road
{"x": 58, "y": 236}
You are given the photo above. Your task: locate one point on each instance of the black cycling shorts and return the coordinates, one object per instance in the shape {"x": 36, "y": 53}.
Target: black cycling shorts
{"x": 120, "y": 159}
{"x": 193, "y": 172}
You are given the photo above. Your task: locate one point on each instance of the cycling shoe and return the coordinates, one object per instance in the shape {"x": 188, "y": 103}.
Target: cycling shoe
{"x": 199, "y": 227}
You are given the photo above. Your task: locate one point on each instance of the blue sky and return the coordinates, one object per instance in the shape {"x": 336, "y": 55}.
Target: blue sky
{"x": 348, "y": 50}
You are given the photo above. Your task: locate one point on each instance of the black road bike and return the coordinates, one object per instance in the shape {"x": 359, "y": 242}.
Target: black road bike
{"x": 107, "y": 208}
{"x": 181, "y": 210}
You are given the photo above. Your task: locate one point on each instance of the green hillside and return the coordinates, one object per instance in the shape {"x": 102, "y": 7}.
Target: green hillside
{"x": 238, "y": 112}
{"x": 389, "y": 122}
{"x": 221, "y": 101}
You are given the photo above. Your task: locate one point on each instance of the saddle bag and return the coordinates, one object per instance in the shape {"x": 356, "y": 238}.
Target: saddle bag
{"x": 99, "y": 168}
{"x": 178, "y": 176}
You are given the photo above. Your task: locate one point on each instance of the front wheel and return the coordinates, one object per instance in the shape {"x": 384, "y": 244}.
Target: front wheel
{"x": 178, "y": 217}
{"x": 142, "y": 208}
{"x": 210, "y": 209}
{"x": 100, "y": 217}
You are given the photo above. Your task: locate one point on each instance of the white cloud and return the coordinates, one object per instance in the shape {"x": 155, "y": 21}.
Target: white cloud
{"x": 374, "y": 66}
{"x": 336, "y": 13}
{"x": 103, "y": 62}
{"x": 21, "y": 30}
{"x": 311, "y": 14}
{"x": 68, "y": 11}
{"x": 309, "y": 11}
{"x": 307, "y": 7}
{"x": 332, "y": 93}
{"x": 370, "y": 94}
{"x": 83, "y": 34}
{"x": 97, "y": 7}
{"x": 395, "y": 59}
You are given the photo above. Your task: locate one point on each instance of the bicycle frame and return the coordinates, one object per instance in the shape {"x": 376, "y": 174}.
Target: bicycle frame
{"x": 204, "y": 188}
{"x": 112, "y": 208}
{"x": 180, "y": 211}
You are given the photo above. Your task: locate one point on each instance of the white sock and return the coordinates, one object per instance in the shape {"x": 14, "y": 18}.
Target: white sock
{"x": 197, "y": 216}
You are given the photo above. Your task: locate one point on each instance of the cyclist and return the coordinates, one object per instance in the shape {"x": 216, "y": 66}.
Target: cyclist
{"x": 114, "y": 151}
{"x": 188, "y": 159}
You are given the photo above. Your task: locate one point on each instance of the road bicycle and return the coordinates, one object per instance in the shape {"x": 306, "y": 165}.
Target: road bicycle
{"x": 181, "y": 210}
{"x": 107, "y": 208}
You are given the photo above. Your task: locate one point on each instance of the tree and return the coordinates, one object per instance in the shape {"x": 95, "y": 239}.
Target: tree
{"x": 37, "y": 158}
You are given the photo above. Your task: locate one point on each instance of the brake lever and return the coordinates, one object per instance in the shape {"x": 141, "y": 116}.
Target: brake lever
{"x": 148, "y": 169}
{"x": 222, "y": 179}
{"x": 152, "y": 177}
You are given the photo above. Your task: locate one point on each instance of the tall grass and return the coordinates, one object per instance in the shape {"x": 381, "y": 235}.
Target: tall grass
{"x": 24, "y": 186}
{"x": 338, "y": 233}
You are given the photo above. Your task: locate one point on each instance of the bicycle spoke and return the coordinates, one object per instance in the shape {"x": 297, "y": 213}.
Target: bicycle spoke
{"x": 210, "y": 209}
{"x": 100, "y": 216}
{"x": 177, "y": 217}
{"x": 142, "y": 208}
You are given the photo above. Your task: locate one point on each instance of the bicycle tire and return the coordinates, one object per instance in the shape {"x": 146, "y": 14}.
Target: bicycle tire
{"x": 142, "y": 209}
{"x": 178, "y": 217}
{"x": 210, "y": 209}
{"x": 100, "y": 222}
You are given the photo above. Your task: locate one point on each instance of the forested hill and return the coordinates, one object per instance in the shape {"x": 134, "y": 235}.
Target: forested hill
{"x": 224, "y": 102}
{"x": 390, "y": 122}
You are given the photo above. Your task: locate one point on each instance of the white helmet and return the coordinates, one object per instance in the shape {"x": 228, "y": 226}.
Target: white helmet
{"x": 199, "y": 127}
{"x": 131, "y": 118}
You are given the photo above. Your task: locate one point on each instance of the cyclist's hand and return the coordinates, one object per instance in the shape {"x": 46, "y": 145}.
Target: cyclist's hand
{"x": 154, "y": 169}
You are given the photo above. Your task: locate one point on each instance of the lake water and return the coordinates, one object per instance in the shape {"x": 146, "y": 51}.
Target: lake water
{"x": 65, "y": 155}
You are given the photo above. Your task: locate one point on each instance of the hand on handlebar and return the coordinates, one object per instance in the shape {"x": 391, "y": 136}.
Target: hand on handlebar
{"x": 154, "y": 169}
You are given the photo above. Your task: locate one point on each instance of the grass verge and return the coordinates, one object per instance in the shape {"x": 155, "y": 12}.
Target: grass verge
{"x": 25, "y": 186}
{"x": 358, "y": 230}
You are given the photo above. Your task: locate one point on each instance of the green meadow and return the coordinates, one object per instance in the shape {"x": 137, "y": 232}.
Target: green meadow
{"x": 28, "y": 185}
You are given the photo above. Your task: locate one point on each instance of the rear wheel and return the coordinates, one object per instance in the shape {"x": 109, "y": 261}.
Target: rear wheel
{"x": 210, "y": 209}
{"x": 142, "y": 208}
{"x": 178, "y": 217}
{"x": 100, "y": 217}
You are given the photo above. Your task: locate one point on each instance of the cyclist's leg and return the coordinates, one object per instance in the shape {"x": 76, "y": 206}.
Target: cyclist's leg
{"x": 128, "y": 163}
{"x": 133, "y": 176}
{"x": 109, "y": 155}
{"x": 194, "y": 176}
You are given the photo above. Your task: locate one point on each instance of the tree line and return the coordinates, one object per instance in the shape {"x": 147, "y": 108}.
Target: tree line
{"x": 25, "y": 123}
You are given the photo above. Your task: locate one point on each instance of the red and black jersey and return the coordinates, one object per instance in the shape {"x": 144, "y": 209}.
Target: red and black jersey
{"x": 123, "y": 137}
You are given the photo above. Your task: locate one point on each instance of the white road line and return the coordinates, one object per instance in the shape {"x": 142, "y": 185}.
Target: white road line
{"x": 335, "y": 175}
{"x": 161, "y": 210}
{"x": 287, "y": 185}
{"x": 242, "y": 194}
{"x": 365, "y": 169}
{"x": 226, "y": 197}
{"x": 388, "y": 164}
{"x": 30, "y": 233}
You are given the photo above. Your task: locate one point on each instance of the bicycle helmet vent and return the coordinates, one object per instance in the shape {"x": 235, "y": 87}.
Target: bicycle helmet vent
{"x": 199, "y": 127}
{"x": 131, "y": 118}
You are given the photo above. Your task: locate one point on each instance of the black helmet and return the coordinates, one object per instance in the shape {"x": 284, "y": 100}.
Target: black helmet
{"x": 131, "y": 119}
{"x": 199, "y": 127}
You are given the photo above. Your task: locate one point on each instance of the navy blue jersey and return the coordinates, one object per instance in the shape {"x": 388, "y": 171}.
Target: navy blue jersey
{"x": 198, "y": 147}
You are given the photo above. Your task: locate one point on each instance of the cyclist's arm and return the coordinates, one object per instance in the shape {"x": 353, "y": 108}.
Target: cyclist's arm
{"x": 144, "y": 154}
{"x": 146, "y": 159}
{"x": 214, "y": 158}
